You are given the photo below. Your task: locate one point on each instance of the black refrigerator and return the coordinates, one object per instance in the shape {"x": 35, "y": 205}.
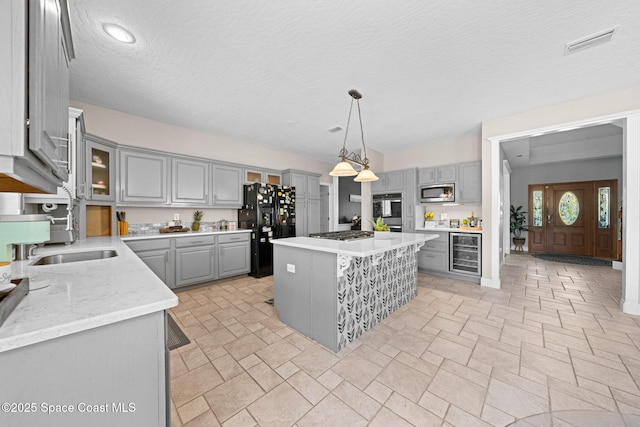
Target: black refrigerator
{"x": 269, "y": 212}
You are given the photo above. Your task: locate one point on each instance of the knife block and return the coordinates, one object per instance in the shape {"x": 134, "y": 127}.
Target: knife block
{"x": 123, "y": 228}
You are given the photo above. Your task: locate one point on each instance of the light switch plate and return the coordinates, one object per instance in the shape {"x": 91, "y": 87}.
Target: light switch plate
{"x": 291, "y": 268}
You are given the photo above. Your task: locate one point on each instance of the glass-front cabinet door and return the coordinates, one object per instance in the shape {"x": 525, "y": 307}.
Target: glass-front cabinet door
{"x": 100, "y": 171}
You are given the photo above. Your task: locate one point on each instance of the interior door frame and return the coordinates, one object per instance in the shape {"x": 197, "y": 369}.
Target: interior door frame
{"x": 630, "y": 119}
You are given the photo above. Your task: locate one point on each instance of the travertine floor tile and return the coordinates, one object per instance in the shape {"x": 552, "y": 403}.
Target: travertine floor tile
{"x": 233, "y": 396}
{"x": 282, "y": 406}
{"x": 514, "y": 400}
{"x": 459, "y": 391}
{"x": 552, "y": 338}
{"x": 405, "y": 380}
{"x": 412, "y": 412}
{"x": 311, "y": 389}
{"x": 356, "y": 399}
{"x": 332, "y": 412}
{"x": 194, "y": 383}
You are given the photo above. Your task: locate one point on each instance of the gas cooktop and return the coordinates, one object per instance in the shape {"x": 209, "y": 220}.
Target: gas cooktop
{"x": 343, "y": 235}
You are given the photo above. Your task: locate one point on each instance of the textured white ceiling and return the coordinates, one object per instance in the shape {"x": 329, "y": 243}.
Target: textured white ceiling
{"x": 277, "y": 73}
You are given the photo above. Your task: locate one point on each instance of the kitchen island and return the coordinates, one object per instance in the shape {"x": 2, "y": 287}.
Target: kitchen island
{"x": 89, "y": 346}
{"x": 333, "y": 291}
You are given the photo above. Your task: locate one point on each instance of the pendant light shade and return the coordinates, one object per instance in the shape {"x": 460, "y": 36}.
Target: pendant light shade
{"x": 344, "y": 167}
{"x": 366, "y": 175}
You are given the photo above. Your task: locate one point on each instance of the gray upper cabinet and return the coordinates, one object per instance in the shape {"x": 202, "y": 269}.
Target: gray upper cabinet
{"x": 427, "y": 175}
{"x": 437, "y": 175}
{"x": 252, "y": 175}
{"x": 227, "y": 186}
{"x": 307, "y": 187}
{"x": 36, "y": 49}
{"x": 446, "y": 173}
{"x": 388, "y": 182}
{"x": 50, "y": 51}
{"x": 143, "y": 177}
{"x": 469, "y": 187}
{"x": 409, "y": 201}
{"x": 190, "y": 182}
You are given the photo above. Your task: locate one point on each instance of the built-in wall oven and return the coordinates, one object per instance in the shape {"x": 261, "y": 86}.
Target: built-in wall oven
{"x": 389, "y": 207}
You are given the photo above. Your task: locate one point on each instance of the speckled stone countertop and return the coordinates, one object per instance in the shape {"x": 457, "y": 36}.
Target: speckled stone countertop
{"x": 357, "y": 247}
{"x": 82, "y": 295}
{"x": 448, "y": 229}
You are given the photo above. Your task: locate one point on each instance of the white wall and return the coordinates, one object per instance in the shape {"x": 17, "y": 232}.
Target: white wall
{"x": 462, "y": 150}
{"x": 142, "y": 132}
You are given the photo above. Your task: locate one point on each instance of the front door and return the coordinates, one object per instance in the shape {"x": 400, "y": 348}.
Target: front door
{"x": 576, "y": 218}
{"x": 569, "y": 218}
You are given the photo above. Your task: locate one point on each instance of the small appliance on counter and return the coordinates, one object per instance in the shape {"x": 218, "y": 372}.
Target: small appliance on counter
{"x": 16, "y": 230}
{"x": 454, "y": 223}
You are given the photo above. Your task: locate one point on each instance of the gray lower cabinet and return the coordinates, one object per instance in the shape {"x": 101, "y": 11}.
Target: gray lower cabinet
{"x": 112, "y": 367}
{"x": 143, "y": 176}
{"x": 158, "y": 256}
{"x": 434, "y": 255}
{"x": 182, "y": 261}
{"x": 195, "y": 260}
{"x": 234, "y": 255}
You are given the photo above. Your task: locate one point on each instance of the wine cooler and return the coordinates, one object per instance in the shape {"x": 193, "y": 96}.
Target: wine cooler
{"x": 465, "y": 255}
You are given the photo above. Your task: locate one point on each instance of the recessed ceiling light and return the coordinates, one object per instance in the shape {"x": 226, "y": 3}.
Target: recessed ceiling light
{"x": 119, "y": 33}
{"x": 590, "y": 41}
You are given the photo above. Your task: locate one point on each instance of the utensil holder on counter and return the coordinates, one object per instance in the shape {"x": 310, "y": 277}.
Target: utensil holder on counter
{"x": 123, "y": 228}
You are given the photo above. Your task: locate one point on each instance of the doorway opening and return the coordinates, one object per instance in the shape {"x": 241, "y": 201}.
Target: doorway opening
{"x": 574, "y": 218}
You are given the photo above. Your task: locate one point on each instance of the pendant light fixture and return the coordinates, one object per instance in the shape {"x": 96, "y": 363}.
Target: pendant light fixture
{"x": 344, "y": 167}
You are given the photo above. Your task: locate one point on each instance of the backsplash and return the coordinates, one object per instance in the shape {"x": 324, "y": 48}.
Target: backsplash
{"x": 453, "y": 212}
{"x": 150, "y": 220}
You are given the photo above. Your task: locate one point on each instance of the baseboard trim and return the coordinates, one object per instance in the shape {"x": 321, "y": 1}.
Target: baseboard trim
{"x": 630, "y": 307}
{"x": 490, "y": 283}
{"x": 616, "y": 265}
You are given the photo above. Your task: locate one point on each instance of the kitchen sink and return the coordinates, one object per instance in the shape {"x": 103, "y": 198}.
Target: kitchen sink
{"x": 76, "y": 257}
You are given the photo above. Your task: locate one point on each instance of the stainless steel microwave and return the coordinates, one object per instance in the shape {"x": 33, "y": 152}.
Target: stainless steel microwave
{"x": 438, "y": 193}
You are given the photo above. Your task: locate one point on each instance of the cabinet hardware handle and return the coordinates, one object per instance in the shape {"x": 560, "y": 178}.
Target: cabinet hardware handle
{"x": 59, "y": 139}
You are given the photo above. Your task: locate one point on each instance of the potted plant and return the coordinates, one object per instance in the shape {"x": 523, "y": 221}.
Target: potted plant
{"x": 197, "y": 217}
{"x": 518, "y": 225}
{"x": 380, "y": 229}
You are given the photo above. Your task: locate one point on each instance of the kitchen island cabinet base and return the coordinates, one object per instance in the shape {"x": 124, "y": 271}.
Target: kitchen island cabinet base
{"x": 334, "y": 298}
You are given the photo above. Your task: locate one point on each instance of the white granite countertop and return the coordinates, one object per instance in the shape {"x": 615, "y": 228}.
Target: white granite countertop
{"x": 142, "y": 236}
{"x": 83, "y": 295}
{"x": 448, "y": 229}
{"x": 357, "y": 247}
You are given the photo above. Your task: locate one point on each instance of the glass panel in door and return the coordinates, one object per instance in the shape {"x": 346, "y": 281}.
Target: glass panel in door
{"x": 100, "y": 173}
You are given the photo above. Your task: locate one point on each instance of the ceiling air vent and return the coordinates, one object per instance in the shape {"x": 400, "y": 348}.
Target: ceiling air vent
{"x": 590, "y": 41}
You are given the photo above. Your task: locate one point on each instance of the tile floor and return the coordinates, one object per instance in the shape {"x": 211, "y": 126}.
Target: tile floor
{"x": 553, "y": 338}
